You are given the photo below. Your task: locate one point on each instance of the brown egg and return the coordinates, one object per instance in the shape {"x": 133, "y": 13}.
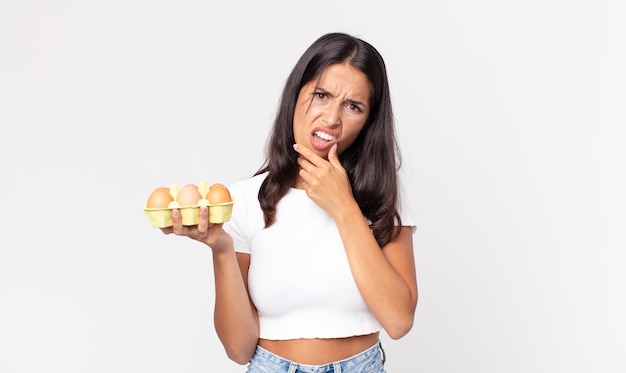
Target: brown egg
{"x": 160, "y": 198}
{"x": 188, "y": 195}
{"x": 218, "y": 193}
{"x": 218, "y": 185}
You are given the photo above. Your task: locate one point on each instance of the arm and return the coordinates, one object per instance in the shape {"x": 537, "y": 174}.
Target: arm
{"x": 385, "y": 276}
{"x": 236, "y": 321}
{"x": 235, "y": 317}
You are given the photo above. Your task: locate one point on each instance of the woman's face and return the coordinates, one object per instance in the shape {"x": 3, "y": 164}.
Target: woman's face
{"x": 332, "y": 109}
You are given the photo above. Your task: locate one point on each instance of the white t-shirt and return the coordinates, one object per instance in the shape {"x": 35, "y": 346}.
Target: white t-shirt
{"x": 299, "y": 277}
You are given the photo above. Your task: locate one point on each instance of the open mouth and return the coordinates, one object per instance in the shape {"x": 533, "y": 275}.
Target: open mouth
{"x": 321, "y": 140}
{"x": 324, "y": 136}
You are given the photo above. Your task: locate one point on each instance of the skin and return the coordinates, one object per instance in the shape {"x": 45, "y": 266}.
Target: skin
{"x": 337, "y": 104}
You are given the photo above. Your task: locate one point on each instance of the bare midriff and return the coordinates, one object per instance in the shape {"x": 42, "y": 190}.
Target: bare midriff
{"x": 319, "y": 351}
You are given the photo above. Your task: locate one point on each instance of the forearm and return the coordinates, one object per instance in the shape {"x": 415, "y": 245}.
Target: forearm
{"x": 391, "y": 297}
{"x": 235, "y": 319}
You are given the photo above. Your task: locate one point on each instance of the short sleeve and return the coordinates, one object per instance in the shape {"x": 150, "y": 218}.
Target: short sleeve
{"x": 236, "y": 226}
{"x": 404, "y": 209}
{"x": 247, "y": 217}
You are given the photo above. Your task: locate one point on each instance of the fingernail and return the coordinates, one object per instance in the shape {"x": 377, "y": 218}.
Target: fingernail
{"x": 175, "y": 213}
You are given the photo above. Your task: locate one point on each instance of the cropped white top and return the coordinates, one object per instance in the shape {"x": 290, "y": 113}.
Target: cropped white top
{"x": 299, "y": 277}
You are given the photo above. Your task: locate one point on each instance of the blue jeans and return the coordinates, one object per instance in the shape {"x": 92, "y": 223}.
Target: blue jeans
{"x": 371, "y": 360}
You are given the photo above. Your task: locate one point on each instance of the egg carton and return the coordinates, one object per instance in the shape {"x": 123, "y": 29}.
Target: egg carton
{"x": 190, "y": 215}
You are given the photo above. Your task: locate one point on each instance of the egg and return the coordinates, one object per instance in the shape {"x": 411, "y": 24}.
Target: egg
{"x": 218, "y": 193}
{"x": 218, "y": 185}
{"x": 160, "y": 198}
{"x": 188, "y": 195}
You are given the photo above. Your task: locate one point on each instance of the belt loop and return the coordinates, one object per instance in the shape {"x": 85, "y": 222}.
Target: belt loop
{"x": 336, "y": 367}
{"x": 382, "y": 352}
{"x": 292, "y": 368}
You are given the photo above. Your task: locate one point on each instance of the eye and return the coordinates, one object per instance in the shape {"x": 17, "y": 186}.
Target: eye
{"x": 355, "y": 108}
{"x": 320, "y": 95}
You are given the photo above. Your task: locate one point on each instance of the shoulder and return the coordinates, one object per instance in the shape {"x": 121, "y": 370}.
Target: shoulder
{"x": 245, "y": 193}
{"x": 247, "y": 216}
{"x": 245, "y": 187}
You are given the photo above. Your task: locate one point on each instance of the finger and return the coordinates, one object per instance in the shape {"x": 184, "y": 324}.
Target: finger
{"x": 333, "y": 158}
{"x": 203, "y": 224}
{"x": 177, "y": 225}
{"x": 306, "y": 166}
{"x": 309, "y": 155}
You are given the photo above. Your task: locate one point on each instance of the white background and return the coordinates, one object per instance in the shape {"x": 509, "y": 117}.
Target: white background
{"x": 511, "y": 120}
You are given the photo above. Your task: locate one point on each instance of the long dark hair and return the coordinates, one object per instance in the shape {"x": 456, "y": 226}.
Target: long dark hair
{"x": 371, "y": 162}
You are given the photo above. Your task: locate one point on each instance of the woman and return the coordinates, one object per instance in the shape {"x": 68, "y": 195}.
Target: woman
{"x": 318, "y": 255}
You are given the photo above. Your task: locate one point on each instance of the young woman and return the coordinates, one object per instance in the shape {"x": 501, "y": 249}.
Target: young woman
{"x": 318, "y": 255}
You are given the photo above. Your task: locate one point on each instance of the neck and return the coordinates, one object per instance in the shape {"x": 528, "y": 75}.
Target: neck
{"x": 299, "y": 183}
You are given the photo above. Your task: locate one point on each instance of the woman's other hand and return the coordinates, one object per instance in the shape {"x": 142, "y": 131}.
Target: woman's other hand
{"x": 209, "y": 233}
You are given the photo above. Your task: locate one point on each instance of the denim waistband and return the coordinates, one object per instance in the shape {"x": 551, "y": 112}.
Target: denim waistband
{"x": 366, "y": 361}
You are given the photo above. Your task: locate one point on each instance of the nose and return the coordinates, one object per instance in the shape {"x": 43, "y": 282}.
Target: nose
{"x": 332, "y": 116}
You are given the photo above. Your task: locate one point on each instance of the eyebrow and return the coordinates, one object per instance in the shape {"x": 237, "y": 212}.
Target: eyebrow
{"x": 350, "y": 101}
{"x": 357, "y": 103}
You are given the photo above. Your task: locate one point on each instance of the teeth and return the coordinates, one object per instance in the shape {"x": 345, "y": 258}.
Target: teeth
{"x": 324, "y": 135}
